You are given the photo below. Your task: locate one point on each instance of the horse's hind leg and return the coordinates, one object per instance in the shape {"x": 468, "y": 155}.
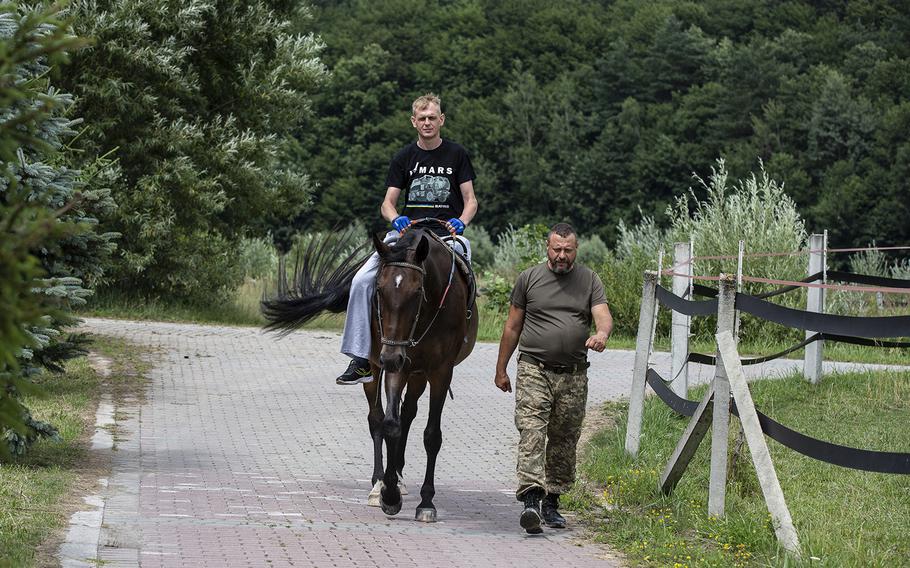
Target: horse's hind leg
{"x": 432, "y": 441}
{"x": 371, "y": 390}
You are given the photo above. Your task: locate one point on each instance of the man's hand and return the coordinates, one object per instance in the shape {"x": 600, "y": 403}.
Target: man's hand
{"x": 401, "y": 223}
{"x": 502, "y": 381}
{"x": 597, "y": 342}
{"x": 456, "y": 225}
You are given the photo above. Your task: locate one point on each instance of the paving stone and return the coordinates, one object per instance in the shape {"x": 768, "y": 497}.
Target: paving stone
{"x": 246, "y": 453}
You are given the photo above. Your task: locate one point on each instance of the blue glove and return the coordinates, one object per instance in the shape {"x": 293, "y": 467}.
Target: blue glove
{"x": 457, "y": 225}
{"x": 401, "y": 223}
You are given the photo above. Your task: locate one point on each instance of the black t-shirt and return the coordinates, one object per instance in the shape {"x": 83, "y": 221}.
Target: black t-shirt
{"x": 431, "y": 179}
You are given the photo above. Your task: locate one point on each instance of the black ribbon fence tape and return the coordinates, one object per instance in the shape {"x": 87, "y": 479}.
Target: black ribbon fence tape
{"x": 839, "y": 276}
{"x": 705, "y": 359}
{"x": 708, "y": 292}
{"x": 853, "y": 458}
{"x": 680, "y": 405}
{"x": 871, "y": 327}
{"x": 688, "y": 307}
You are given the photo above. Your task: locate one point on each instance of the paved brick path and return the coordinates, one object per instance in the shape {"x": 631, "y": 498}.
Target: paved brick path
{"x": 245, "y": 453}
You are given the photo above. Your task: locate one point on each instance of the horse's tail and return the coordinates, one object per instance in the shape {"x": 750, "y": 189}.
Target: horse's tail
{"x": 321, "y": 282}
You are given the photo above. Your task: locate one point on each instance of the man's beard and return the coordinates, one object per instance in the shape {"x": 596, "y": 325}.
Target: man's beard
{"x": 562, "y": 268}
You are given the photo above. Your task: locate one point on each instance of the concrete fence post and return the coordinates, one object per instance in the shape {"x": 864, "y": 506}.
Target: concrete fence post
{"x": 812, "y": 364}
{"x": 739, "y": 286}
{"x": 681, "y": 323}
{"x": 646, "y": 316}
{"x": 720, "y": 433}
{"x": 728, "y": 356}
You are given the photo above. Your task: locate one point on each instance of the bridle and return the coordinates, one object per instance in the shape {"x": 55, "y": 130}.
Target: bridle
{"x": 410, "y": 341}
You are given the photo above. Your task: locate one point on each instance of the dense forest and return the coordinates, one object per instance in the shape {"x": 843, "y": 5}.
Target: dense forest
{"x": 596, "y": 111}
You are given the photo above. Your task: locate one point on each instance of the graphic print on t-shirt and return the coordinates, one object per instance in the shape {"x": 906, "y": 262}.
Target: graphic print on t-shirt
{"x": 429, "y": 189}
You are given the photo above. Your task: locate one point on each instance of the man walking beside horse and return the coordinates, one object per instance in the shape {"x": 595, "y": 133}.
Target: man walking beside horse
{"x": 552, "y": 307}
{"x": 438, "y": 180}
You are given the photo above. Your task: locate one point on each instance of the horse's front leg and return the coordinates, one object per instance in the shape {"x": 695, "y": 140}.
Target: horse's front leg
{"x": 374, "y": 418}
{"x": 416, "y": 385}
{"x": 390, "y": 500}
{"x": 432, "y": 441}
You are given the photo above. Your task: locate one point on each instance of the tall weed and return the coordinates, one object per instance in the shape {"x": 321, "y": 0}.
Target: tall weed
{"x": 755, "y": 210}
{"x": 872, "y": 263}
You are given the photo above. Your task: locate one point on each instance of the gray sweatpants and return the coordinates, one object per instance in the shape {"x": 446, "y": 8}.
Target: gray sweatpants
{"x": 355, "y": 339}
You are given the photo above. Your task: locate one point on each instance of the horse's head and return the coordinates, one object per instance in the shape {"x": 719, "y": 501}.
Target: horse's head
{"x": 400, "y": 295}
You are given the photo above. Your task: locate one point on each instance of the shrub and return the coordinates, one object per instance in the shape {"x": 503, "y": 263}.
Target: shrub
{"x": 622, "y": 280}
{"x": 482, "y": 248}
{"x": 257, "y": 257}
{"x": 520, "y": 248}
{"x": 592, "y": 251}
{"x": 496, "y": 291}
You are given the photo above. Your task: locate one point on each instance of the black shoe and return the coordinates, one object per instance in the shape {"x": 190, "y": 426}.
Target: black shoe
{"x": 551, "y": 516}
{"x": 530, "y": 517}
{"x": 358, "y": 372}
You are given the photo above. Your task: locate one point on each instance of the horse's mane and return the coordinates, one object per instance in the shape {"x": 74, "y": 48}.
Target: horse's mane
{"x": 398, "y": 252}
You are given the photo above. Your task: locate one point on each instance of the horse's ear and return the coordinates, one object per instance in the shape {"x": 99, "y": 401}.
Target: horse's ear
{"x": 423, "y": 249}
{"x": 381, "y": 247}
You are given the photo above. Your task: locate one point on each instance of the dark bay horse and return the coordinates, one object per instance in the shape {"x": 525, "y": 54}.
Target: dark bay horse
{"x": 424, "y": 322}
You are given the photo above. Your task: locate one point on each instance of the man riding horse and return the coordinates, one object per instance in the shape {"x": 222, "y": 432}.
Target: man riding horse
{"x": 430, "y": 162}
{"x": 411, "y": 316}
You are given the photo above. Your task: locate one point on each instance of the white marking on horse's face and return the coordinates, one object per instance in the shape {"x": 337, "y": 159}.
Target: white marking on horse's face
{"x": 398, "y": 281}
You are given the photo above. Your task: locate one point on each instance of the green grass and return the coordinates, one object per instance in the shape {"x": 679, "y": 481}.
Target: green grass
{"x": 241, "y": 310}
{"x": 35, "y": 491}
{"x": 844, "y": 517}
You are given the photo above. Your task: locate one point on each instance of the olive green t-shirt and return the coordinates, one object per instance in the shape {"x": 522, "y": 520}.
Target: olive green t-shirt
{"x": 557, "y": 312}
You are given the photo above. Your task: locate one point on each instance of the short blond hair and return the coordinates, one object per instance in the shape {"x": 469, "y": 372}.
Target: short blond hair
{"x": 424, "y": 101}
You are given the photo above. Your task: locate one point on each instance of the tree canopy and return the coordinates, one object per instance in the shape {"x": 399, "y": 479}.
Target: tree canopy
{"x": 595, "y": 112}
{"x": 51, "y": 251}
{"x": 197, "y": 101}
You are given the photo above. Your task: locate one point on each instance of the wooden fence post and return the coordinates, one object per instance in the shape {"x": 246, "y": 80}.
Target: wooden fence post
{"x": 812, "y": 364}
{"x": 646, "y": 316}
{"x": 679, "y": 330}
{"x": 720, "y": 433}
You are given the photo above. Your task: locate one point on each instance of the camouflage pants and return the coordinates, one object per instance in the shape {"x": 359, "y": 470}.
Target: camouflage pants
{"x": 549, "y": 410}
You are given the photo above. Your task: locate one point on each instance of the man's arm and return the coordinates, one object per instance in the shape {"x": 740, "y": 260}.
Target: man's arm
{"x": 603, "y": 324}
{"x": 389, "y": 208}
{"x": 510, "y": 334}
{"x": 470, "y": 201}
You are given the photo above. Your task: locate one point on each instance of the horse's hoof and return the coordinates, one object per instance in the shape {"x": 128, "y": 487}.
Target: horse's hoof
{"x": 390, "y": 510}
{"x": 375, "y": 494}
{"x": 426, "y": 515}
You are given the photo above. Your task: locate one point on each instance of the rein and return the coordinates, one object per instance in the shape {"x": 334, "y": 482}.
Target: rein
{"x": 410, "y": 341}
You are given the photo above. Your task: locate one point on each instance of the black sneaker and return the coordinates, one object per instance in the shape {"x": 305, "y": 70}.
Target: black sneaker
{"x": 530, "y": 517}
{"x": 551, "y": 516}
{"x": 358, "y": 372}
